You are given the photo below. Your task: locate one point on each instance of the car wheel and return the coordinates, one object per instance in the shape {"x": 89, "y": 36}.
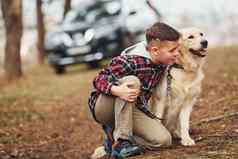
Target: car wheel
{"x": 59, "y": 69}
{"x": 94, "y": 64}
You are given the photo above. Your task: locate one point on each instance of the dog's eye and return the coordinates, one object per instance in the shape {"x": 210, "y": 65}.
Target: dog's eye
{"x": 191, "y": 37}
{"x": 201, "y": 34}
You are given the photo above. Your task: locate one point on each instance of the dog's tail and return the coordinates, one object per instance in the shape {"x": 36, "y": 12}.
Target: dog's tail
{"x": 98, "y": 153}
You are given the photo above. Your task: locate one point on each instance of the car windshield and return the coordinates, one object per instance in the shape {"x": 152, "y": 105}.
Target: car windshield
{"x": 75, "y": 15}
{"x": 96, "y": 11}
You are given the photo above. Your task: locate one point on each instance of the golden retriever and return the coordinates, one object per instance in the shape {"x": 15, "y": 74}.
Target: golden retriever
{"x": 176, "y": 105}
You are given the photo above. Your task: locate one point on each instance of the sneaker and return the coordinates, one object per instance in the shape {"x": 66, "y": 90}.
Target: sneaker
{"x": 124, "y": 148}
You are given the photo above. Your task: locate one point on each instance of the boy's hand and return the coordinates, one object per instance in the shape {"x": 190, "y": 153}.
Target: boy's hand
{"x": 125, "y": 92}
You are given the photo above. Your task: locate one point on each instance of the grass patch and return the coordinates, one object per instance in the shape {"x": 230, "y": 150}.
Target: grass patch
{"x": 17, "y": 117}
{"x": 20, "y": 101}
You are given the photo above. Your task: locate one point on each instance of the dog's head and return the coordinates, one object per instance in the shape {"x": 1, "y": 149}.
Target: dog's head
{"x": 194, "y": 41}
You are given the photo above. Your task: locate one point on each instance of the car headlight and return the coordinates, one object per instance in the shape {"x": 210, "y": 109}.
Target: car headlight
{"x": 61, "y": 38}
{"x": 89, "y": 35}
{"x": 55, "y": 39}
{"x": 66, "y": 39}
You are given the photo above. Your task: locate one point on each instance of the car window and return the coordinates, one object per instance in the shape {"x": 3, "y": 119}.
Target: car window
{"x": 113, "y": 7}
{"x": 96, "y": 11}
{"x": 102, "y": 10}
{"x": 75, "y": 15}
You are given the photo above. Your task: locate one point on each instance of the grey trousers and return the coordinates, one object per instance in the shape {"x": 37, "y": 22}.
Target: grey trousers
{"x": 129, "y": 120}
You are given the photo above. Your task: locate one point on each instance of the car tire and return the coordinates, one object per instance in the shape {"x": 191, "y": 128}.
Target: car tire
{"x": 94, "y": 64}
{"x": 59, "y": 69}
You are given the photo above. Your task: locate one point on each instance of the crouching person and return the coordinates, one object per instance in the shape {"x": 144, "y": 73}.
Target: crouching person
{"x": 121, "y": 92}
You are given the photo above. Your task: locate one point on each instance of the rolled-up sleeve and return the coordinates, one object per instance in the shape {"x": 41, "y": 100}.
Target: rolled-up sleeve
{"x": 119, "y": 67}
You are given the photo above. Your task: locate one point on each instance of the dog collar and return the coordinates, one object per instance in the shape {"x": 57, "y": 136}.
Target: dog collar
{"x": 177, "y": 66}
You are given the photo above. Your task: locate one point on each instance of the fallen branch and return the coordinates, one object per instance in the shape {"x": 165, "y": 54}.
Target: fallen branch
{"x": 217, "y": 118}
{"x": 200, "y": 138}
{"x": 222, "y": 153}
{"x": 218, "y": 101}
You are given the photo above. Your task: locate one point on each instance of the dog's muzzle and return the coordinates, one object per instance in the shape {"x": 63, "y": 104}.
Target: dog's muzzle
{"x": 202, "y": 52}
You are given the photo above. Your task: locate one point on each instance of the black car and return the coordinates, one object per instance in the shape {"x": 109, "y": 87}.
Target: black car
{"x": 98, "y": 31}
{"x": 88, "y": 36}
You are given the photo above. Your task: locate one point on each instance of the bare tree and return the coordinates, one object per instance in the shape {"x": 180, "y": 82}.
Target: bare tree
{"x": 40, "y": 31}
{"x": 156, "y": 11}
{"x": 12, "y": 15}
{"x": 67, "y": 6}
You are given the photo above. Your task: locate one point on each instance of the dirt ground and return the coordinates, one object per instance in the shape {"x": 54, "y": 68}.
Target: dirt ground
{"x": 56, "y": 123}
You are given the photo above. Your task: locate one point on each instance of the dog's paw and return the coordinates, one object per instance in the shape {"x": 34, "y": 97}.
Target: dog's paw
{"x": 187, "y": 142}
{"x": 176, "y": 134}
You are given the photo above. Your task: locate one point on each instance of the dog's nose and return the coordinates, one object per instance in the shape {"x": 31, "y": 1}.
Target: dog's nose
{"x": 204, "y": 43}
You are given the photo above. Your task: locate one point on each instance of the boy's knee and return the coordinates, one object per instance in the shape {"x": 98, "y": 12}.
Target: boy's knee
{"x": 134, "y": 81}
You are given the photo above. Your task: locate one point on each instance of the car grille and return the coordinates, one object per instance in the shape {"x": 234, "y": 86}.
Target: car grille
{"x": 79, "y": 50}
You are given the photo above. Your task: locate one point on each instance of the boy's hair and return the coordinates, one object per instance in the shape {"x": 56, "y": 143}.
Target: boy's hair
{"x": 161, "y": 31}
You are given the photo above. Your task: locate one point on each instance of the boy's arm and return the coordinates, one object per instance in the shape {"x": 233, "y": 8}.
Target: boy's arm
{"x": 108, "y": 77}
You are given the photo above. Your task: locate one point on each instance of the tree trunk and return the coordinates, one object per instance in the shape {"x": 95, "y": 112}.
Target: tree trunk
{"x": 40, "y": 32}
{"x": 67, "y": 6}
{"x": 12, "y": 14}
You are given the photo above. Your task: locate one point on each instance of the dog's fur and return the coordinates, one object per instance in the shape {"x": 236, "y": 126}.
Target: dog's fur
{"x": 175, "y": 108}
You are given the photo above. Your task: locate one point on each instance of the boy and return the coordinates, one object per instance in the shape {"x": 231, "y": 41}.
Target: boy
{"x": 122, "y": 90}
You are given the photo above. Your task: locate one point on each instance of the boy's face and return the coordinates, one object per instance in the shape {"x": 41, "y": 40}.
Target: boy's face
{"x": 165, "y": 52}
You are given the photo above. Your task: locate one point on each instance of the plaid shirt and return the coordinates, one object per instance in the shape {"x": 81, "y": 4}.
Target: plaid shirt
{"x": 148, "y": 73}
